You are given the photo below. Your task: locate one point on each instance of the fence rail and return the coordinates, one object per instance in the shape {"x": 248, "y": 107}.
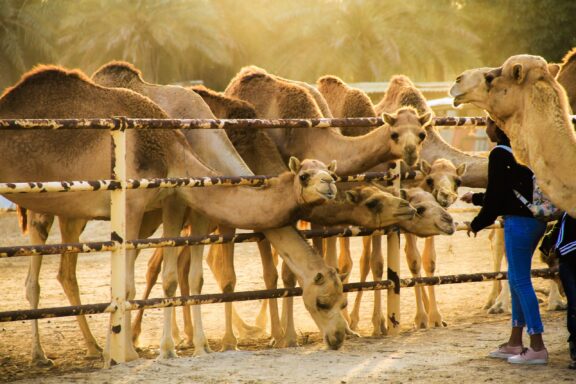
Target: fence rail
{"x": 132, "y": 305}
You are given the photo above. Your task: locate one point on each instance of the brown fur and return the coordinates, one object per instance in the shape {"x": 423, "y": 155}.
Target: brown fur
{"x": 401, "y": 91}
{"x": 254, "y": 145}
{"x": 345, "y": 101}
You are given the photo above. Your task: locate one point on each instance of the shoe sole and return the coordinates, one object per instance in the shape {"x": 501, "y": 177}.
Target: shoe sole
{"x": 529, "y": 362}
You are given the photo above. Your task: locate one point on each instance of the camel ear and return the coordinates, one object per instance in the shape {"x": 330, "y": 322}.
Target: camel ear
{"x": 353, "y": 196}
{"x": 388, "y": 118}
{"x": 425, "y": 118}
{"x": 294, "y": 165}
{"x": 425, "y": 167}
{"x": 332, "y": 166}
{"x": 554, "y": 68}
{"x": 518, "y": 73}
{"x": 319, "y": 279}
{"x": 461, "y": 169}
{"x": 403, "y": 194}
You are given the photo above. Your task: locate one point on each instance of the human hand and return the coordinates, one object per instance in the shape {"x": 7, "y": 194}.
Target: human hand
{"x": 467, "y": 197}
{"x": 469, "y": 229}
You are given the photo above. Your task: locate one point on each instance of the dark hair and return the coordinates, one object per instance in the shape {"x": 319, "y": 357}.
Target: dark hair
{"x": 501, "y": 137}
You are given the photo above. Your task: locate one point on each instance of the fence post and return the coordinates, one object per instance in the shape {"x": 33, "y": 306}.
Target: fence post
{"x": 393, "y": 272}
{"x": 117, "y": 343}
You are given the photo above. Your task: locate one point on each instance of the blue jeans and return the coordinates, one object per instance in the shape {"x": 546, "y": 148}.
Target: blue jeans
{"x": 521, "y": 236}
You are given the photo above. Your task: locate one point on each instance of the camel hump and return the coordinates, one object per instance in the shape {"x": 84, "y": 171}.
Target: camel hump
{"x": 121, "y": 72}
{"x": 329, "y": 80}
{"x": 400, "y": 81}
{"x": 45, "y": 75}
{"x": 569, "y": 57}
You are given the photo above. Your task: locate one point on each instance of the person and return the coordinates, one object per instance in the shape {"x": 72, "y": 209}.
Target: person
{"x": 521, "y": 235}
{"x": 565, "y": 250}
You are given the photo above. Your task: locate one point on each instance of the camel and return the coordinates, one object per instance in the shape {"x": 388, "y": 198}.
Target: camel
{"x": 400, "y": 137}
{"x": 159, "y": 154}
{"x": 567, "y": 76}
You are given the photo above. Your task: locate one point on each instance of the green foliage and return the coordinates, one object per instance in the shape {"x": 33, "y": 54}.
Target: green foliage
{"x": 358, "y": 40}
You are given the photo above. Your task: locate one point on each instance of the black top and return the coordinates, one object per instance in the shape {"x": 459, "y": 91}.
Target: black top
{"x": 504, "y": 175}
{"x": 566, "y": 243}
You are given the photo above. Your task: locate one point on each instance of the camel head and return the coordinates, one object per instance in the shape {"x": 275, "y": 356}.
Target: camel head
{"x": 375, "y": 207}
{"x": 314, "y": 182}
{"x": 324, "y": 299}
{"x": 442, "y": 180}
{"x": 470, "y": 87}
{"x": 431, "y": 219}
{"x": 407, "y": 132}
{"x": 519, "y": 77}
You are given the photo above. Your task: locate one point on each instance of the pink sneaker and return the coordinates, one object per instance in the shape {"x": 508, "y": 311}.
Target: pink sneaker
{"x": 530, "y": 356}
{"x": 504, "y": 351}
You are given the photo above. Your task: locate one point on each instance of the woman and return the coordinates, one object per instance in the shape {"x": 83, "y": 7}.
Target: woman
{"x": 521, "y": 235}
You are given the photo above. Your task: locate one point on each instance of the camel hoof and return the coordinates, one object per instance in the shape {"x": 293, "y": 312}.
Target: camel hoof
{"x": 488, "y": 304}
{"x": 169, "y": 354}
{"x": 185, "y": 344}
{"x": 202, "y": 351}
{"x": 497, "y": 309}
{"x": 94, "y": 353}
{"x": 287, "y": 343}
{"x": 229, "y": 347}
{"x": 42, "y": 363}
{"x": 351, "y": 333}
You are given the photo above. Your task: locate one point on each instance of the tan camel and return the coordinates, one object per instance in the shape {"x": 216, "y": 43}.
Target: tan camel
{"x": 527, "y": 102}
{"x": 272, "y": 97}
{"x": 159, "y": 154}
{"x": 567, "y": 77}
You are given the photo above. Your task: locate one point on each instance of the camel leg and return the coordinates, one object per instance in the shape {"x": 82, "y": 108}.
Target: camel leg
{"x": 555, "y": 300}
{"x": 429, "y": 263}
{"x": 227, "y": 284}
{"x": 270, "y": 273}
{"x": 172, "y": 218}
{"x": 377, "y": 267}
{"x": 345, "y": 267}
{"x": 364, "y": 269}
{"x": 71, "y": 230}
{"x": 262, "y": 317}
{"x": 497, "y": 247}
{"x": 152, "y": 273}
{"x": 318, "y": 242}
{"x": 502, "y": 301}
{"x": 38, "y": 228}
{"x": 290, "y": 338}
{"x": 414, "y": 264}
{"x": 183, "y": 272}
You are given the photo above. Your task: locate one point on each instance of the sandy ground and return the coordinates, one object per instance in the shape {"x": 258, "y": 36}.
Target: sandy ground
{"x": 456, "y": 353}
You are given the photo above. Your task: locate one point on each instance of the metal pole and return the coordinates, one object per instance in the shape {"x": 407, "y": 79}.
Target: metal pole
{"x": 393, "y": 271}
{"x": 118, "y": 334}
{"x": 44, "y": 313}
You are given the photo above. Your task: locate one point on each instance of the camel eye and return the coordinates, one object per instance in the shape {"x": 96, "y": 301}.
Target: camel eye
{"x": 430, "y": 182}
{"x": 458, "y": 79}
{"x": 422, "y": 136}
{"x": 458, "y": 182}
{"x": 489, "y": 77}
{"x": 420, "y": 211}
{"x": 372, "y": 204}
{"x": 304, "y": 178}
{"x": 394, "y": 136}
{"x": 322, "y": 306}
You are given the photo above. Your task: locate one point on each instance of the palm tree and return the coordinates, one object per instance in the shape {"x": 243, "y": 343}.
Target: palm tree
{"x": 169, "y": 40}
{"x": 25, "y": 37}
{"x": 369, "y": 40}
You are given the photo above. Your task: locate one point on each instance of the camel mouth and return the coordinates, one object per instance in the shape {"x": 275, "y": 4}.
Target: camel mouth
{"x": 444, "y": 230}
{"x": 457, "y": 101}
